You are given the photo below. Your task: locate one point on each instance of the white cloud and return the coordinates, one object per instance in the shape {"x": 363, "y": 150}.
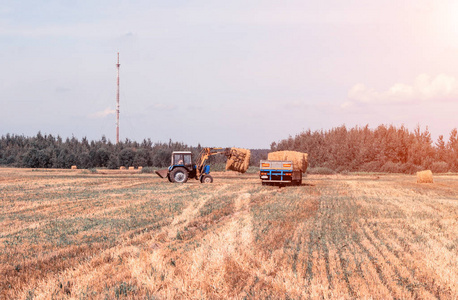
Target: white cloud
{"x": 102, "y": 114}
{"x": 425, "y": 88}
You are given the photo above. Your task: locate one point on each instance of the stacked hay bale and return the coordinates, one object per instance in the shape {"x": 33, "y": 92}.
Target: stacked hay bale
{"x": 238, "y": 160}
{"x": 299, "y": 159}
{"x": 425, "y": 177}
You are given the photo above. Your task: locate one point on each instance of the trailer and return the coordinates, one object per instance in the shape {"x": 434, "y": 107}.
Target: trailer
{"x": 279, "y": 172}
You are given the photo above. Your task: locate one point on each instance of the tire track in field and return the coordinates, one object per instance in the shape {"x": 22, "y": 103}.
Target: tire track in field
{"x": 407, "y": 262}
{"x": 345, "y": 238}
{"x": 218, "y": 255}
{"x": 385, "y": 270}
{"x": 388, "y": 265}
{"x": 63, "y": 265}
{"x": 182, "y": 220}
{"x": 336, "y": 216}
{"x": 327, "y": 235}
{"x": 134, "y": 261}
{"x": 76, "y": 208}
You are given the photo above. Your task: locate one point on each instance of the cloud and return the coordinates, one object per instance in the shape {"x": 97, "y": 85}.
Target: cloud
{"x": 102, "y": 114}
{"x": 424, "y": 89}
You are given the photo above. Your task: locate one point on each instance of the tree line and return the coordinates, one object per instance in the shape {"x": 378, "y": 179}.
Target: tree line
{"x": 383, "y": 149}
{"x": 48, "y": 151}
{"x": 341, "y": 149}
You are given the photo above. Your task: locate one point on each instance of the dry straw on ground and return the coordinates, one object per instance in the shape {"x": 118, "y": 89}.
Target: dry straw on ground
{"x": 74, "y": 167}
{"x": 239, "y": 160}
{"x": 299, "y": 159}
{"x": 139, "y": 237}
{"x": 425, "y": 177}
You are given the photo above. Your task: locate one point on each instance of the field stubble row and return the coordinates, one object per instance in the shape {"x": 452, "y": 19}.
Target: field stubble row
{"x": 66, "y": 234}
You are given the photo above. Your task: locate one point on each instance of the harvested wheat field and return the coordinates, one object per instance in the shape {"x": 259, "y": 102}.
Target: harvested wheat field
{"x": 73, "y": 234}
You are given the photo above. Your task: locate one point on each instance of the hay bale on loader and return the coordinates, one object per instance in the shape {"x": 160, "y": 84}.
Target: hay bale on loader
{"x": 299, "y": 159}
{"x": 425, "y": 176}
{"x": 238, "y": 160}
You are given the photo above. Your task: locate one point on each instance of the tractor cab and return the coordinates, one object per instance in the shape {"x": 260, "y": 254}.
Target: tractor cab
{"x": 182, "y": 158}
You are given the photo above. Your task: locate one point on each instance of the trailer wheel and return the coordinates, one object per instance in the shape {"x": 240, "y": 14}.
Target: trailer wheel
{"x": 206, "y": 179}
{"x": 179, "y": 175}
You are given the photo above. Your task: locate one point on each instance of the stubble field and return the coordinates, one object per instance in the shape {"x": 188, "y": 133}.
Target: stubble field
{"x": 73, "y": 234}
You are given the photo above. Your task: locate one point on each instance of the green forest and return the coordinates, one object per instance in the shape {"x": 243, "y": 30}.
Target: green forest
{"x": 383, "y": 149}
{"x": 341, "y": 149}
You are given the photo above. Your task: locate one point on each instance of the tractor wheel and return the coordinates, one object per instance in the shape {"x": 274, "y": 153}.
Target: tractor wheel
{"x": 168, "y": 177}
{"x": 179, "y": 175}
{"x": 206, "y": 179}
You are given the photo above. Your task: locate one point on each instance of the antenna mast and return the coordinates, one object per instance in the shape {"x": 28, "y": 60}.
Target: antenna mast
{"x": 117, "y": 102}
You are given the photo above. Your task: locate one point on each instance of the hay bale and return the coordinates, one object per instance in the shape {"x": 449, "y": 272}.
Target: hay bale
{"x": 122, "y": 168}
{"x": 74, "y": 167}
{"x": 140, "y": 168}
{"x": 299, "y": 159}
{"x": 238, "y": 160}
{"x": 425, "y": 176}
{"x": 131, "y": 168}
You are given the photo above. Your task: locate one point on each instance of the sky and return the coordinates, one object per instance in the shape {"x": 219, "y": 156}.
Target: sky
{"x": 226, "y": 73}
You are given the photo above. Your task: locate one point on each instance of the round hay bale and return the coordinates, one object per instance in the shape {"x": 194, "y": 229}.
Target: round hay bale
{"x": 299, "y": 159}
{"x": 74, "y": 167}
{"x": 239, "y": 160}
{"x": 425, "y": 176}
{"x": 122, "y": 168}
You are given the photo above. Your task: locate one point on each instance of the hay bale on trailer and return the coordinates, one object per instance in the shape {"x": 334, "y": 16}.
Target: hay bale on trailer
{"x": 425, "y": 176}
{"x": 74, "y": 167}
{"x": 299, "y": 159}
{"x": 238, "y": 160}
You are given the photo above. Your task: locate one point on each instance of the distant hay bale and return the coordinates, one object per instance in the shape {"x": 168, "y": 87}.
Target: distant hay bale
{"x": 74, "y": 167}
{"x": 425, "y": 176}
{"x": 140, "y": 168}
{"x": 238, "y": 160}
{"x": 299, "y": 159}
{"x": 122, "y": 168}
{"x": 131, "y": 168}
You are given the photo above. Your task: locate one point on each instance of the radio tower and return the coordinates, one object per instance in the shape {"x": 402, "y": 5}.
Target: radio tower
{"x": 117, "y": 102}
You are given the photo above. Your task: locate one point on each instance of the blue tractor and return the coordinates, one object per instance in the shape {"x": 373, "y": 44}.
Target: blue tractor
{"x": 182, "y": 167}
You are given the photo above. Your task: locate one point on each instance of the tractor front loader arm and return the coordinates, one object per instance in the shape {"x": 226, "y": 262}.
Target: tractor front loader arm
{"x": 205, "y": 155}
